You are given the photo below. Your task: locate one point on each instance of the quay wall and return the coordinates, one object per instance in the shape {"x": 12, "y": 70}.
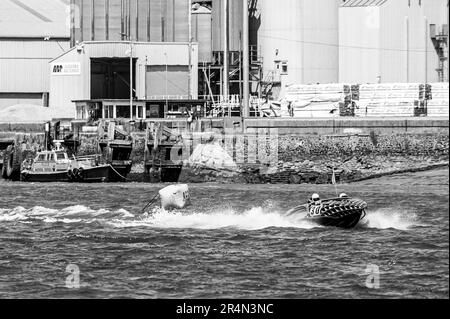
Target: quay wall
{"x": 286, "y": 150}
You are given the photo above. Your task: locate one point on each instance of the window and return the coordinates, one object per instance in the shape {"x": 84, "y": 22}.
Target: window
{"x": 284, "y": 67}
{"x": 123, "y": 111}
{"x": 152, "y": 111}
{"x": 109, "y": 111}
{"x": 42, "y": 157}
{"x": 60, "y": 156}
{"x": 140, "y": 112}
{"x": 81, "y": 112}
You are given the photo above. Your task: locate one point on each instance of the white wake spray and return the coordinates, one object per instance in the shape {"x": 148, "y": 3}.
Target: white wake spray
{"x": 390, "y": 219}
{"x": 256, "y": 218}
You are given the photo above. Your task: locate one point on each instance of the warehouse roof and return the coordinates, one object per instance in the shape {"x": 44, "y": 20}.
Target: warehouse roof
{"x": 34, "y": 18}
{"x": 363, "y": 3}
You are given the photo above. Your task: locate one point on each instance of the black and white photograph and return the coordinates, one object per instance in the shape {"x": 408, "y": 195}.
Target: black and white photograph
{"x": 198, "y": 151}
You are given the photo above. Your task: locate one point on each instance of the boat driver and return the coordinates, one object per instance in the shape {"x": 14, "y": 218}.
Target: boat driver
{"x": 315, "y": 200}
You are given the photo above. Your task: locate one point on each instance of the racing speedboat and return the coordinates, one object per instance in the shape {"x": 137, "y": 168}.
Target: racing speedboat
{"x": 335, "y": 212}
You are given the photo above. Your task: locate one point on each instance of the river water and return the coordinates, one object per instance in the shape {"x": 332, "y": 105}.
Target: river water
{"x": 234, "y": 242}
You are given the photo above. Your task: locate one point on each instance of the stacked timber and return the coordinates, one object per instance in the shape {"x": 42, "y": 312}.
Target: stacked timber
{"x": 317, "y": 100}
{"x": 438, "y": 99}
{"x": 389, "y": 99}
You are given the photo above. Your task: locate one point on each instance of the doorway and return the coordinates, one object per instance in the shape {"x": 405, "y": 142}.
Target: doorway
{"x": 110, "y": 78}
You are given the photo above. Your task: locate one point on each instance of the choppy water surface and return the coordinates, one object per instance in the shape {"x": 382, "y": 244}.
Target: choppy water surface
{"x": 235, "y": 242}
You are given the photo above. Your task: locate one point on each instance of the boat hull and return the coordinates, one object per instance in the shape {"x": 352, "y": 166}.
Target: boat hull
{"x": 349, "y": 221}
{"x": 90, "y": 175}
{"x": 99, "y": 174}
{"x": 337, "y": 212}
{"x": 118, "y": 173}
{"x": 45, "y": 177}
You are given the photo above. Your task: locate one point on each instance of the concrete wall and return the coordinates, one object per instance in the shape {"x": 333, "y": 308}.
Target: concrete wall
{"x": 349, "y": 126}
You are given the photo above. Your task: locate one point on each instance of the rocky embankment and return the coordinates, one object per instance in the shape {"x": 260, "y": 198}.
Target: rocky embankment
{"x": 311, "y": 159}
{"x": 299, "y": 159}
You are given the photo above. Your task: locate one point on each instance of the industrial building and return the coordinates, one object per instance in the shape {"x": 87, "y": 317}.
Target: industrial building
{"x": 382, "y": 41}
{"x": 125, "y": 55}
{"x": 96, "y": 76}
{"x": 161, "y": 52}
{"x": 32, "y": 33}
{"x": 289, "y": 43}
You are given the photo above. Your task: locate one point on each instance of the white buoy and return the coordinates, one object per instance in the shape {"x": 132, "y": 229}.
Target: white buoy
{"x": 175, "y": 197}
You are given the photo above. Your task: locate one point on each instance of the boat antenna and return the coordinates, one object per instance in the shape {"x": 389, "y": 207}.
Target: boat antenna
{"x": 333, "y": 181}
{"x": 150, "y": 203}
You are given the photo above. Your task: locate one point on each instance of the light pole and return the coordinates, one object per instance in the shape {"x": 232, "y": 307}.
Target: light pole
{"x": 130, "y": 51}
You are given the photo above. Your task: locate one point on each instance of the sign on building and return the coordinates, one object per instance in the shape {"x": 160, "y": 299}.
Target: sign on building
{"x": 66, "y": 68}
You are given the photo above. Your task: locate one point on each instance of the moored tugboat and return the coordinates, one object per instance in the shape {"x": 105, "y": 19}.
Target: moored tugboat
{"x": 116, "y": 146}
{"x": 56, "y": 166}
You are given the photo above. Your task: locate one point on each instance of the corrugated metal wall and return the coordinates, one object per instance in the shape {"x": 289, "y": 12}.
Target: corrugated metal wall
{"x": 143, "y": 20}
{"x": 170, "y": 81}
{"x": 24, "y": 64}
{"x": 305, "y": 34}
{"x": 235, "y": 23}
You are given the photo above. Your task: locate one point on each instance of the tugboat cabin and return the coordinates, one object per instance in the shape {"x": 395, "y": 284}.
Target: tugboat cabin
{"x": 51, "y": 161}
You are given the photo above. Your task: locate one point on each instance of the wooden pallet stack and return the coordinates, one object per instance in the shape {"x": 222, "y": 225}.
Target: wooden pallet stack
{"x": 317, "y": 100}
{"x": 438, "y": 99}
{"x": 389, "y": 99}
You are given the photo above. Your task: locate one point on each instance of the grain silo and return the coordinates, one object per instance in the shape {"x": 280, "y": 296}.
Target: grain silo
{"x": 140, "y": 20}
{"x": 395, "y": 41}
{"x": 298, "y": 40}
{"x": 202, "y": 31}
{"x": 234, "y": 25}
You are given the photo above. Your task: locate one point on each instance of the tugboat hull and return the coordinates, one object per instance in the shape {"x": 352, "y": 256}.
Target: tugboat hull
{"x": 44, "y": 177}
{"x": 90, "y": 175}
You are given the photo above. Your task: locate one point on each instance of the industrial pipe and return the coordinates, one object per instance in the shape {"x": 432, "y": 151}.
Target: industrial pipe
{"x": 246, "y": 61}
{"x": 226, "y": 68}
